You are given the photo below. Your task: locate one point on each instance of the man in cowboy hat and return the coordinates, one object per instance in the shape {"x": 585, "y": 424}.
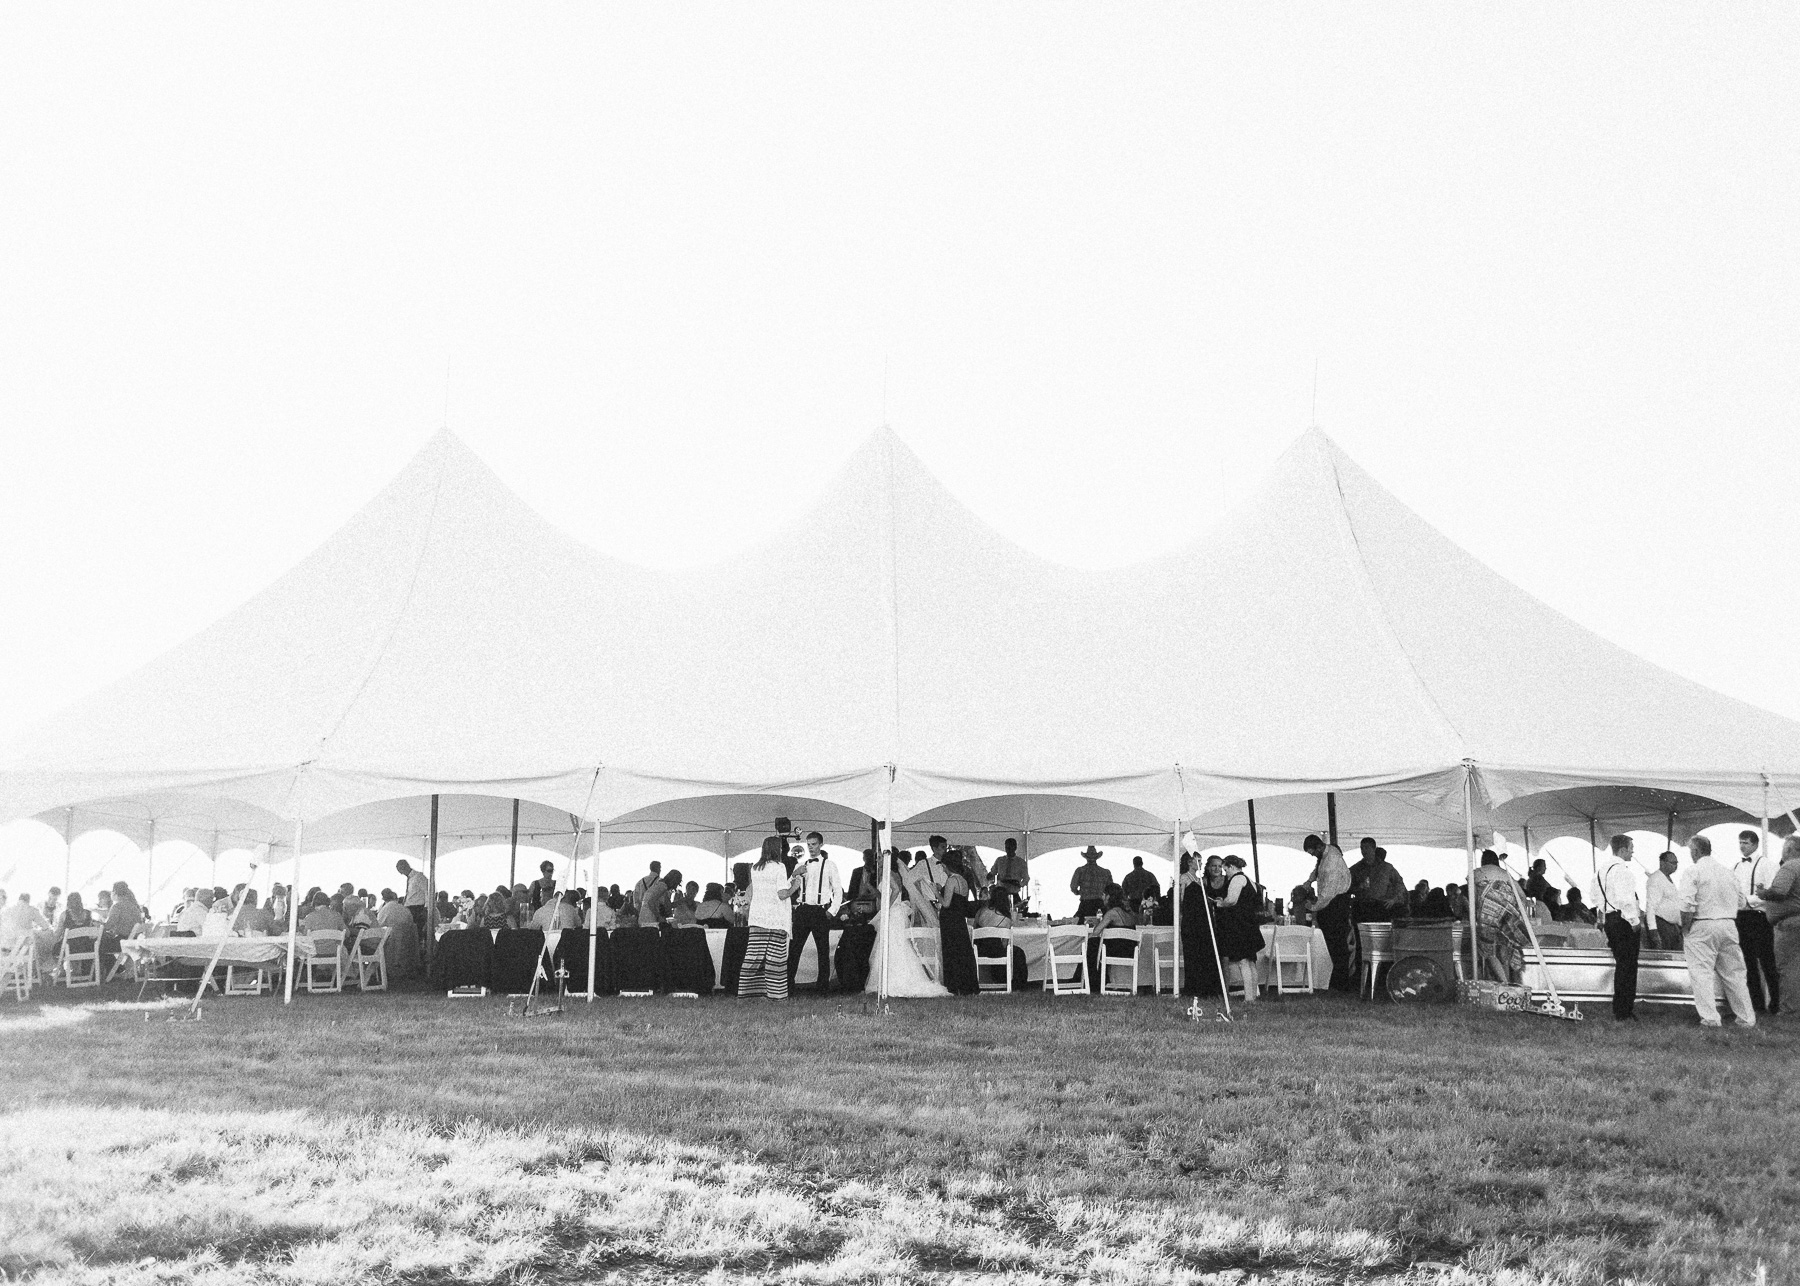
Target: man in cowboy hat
{"x": 1089, "y": 884}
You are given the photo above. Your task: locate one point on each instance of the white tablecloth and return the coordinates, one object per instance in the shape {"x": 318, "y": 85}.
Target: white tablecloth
{"x": 241, "y": 952}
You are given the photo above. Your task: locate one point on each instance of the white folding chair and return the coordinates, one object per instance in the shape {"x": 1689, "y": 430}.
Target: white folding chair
{"x": 928, "y": 945}
{"x": 1292, "y": 953}
{"x": 987, "y": 965}
{"x": 1110, "y": 966}
{"x": 80, "y": 958}
{"x": 1073, "y": 939}
{"x": 246, "y": 980}
{"x": 15, "y": 968}
{"x": 1162, "y": 960}
{"x": 327, "y": 959}
{"x": 370, "y": 959}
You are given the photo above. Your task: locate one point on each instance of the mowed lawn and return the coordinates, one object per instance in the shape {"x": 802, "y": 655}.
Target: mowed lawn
{"x": 410, "y": 1138}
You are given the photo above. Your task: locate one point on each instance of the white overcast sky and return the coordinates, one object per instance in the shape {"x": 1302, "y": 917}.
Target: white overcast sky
{"x": 1546, "y": 258}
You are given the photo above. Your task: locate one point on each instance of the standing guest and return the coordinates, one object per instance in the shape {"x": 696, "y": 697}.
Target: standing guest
{"x": 1710, "y": 903}
{"x": 1756, "y": 937}
{"x": 1500, "y": 930}
{"x": 653, "y": 905}
{"x": 935, "y": 862}
{"x": 814, "y": 896}
{"x": 1089, "y": 883}
{"x": 1359, "y": 879}
{"x": 1234, "y": 920}
{"x": 956, "y": 948}
{"x": 1384, "y": 892}
{"x": 1330, "y": 880}
{"x": 642, "y": 887}
{"x": 1011, "y": 871}
{"x": 1662, "y": 904}
{"x": 1201, "y": 974}
{"x": 416, "y": 899}
{"x": 1781, "y": 902}
{"x": 543, "y": 889}
{"x": 1138, "y": 884}
{"x": 764, "y": 971}
{"x": 1537, "y": 885}
{"x": 714, "y": 912}
{"x": 863, "y": 899}
{"x": 1619, "y": 903}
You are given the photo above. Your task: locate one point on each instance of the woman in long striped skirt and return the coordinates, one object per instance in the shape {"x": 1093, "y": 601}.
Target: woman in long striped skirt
{"x": 764, "y": 971}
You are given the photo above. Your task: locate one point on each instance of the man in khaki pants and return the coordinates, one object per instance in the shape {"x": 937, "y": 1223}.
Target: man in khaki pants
{"x": 1709, "y": 906}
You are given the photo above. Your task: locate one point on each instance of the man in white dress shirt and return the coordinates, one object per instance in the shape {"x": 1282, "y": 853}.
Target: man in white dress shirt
{"x": 1756, "y": 936}
{"x": 1710, "y": 902}
{"x": 1663, "y": 905}
{"x": 815, "y": 903}
{"x": 1624, "y": 919}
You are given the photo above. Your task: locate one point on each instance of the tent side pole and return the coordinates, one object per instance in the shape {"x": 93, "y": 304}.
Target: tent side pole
{"x": 1594, "y": 854}
{"x": 593, "y": 925}
{"x": 1762, "y": 849}
{"x": 1176, "y": 894}
{"x": 431, "y": 889}
{"x": 1255, "y": 857}
{"x": 150, "y": 868}
{"x": 512, "y": 867}
{"x": 293, "y": 916}
{"x": 68, "y": 853}
{"x": 1469, "y": 876}
{"x": 1331, "y": 816}
{"x": 887, "y": 901}
{"x": 1669, "y": 835}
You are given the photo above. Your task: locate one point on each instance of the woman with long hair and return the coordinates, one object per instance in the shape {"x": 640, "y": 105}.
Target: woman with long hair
{"x": 1199, "y": 966}
{"x": 957, "y": 948}
{"x": 894, "y": 967}
{"x": 764, "y": 971}
{"x": 1234, "y": 918}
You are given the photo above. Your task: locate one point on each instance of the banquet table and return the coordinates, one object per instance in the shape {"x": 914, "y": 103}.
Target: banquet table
{"x": 241, "y": 952}
{"x": 1029, "y": 939}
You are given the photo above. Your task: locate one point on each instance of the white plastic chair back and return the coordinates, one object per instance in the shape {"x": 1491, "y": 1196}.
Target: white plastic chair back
{"x": 1162, "y": 959}
{"x": 325, "y": 967}
{"x": 993, "y": 973}
{"x": 80, "y": 959}
{"x": 1065, "y": 948}
{"x": 15, "y": 968}
{"x": 1112, "y": 967}
{"x": 370, "y": 959}
{"x": 1292, "y": 954}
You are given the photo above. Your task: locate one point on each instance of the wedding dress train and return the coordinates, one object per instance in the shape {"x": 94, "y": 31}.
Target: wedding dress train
{"x": 906, "y": 976}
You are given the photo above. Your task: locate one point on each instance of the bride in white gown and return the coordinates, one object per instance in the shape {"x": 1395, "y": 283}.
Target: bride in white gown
{"x": 905, "y": 975}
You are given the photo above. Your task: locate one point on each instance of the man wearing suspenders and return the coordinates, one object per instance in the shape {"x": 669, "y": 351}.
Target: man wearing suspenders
{"x": 1619, "y": 904}
{"x": 1756, "y": 936}
{"x": 815, "y": 889}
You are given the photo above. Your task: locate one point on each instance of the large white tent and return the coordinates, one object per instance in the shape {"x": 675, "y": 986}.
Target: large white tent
{"x": 889, "y": 655}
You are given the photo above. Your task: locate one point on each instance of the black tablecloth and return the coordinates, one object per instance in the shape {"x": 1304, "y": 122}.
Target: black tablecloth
{"x": 514, "y": 960}
{"x": 461, "y": 959}
{"x": 851, "y": 960}
{"x": 639, "y": 961}
{"x": 737, "y": 942}
{"x": 690, "y": 963}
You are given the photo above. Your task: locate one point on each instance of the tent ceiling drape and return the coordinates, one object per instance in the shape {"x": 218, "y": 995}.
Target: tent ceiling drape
{"x": 448, "y": 640}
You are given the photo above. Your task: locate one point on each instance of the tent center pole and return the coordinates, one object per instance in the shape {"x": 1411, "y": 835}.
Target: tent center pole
{"x": 68, "y": 853}
{"x": 1156, "y": 983}
{"x": 593, "y": 924}
{"x": 1331, "y": 817}
{"x": 431, "y": 889}
{"x": 512, "y": 868}
{"x": 294, "y": 916}
{"x": 1469, "y": 876}
{"x": 1255, "y": 857}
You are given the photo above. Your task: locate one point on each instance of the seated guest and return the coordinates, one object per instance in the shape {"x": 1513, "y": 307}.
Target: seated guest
{"x": 996, "y": 912}
{"x": 1575, "y": 908}
{"x": 321, "y": 918}
{"x": 1117, "y": 914}
{"x": 356, "y": 910}
{"x": 497, "y": 910}
{"x": 1301, "y": 902}
{"x": 102, "y": 904}
{"x": 19, "y": 922}
{"x": 712, "y": 911}
{"x": 1415, "y": 901}
{"x": 193, "y": 914}
{"x": 392, "y": 912}
{"x": 682, "y": 907}
{"x": 75, "y": 915}
{"x": 1436, "y": 905}
{"x": 446, "y": 909}
{"x": 124, "y": 918}
{"x": 521, "y": 906}
{"x": 253, "y": 921}
{"x": 600, "y": 915}
{"x": 218, "y": 918}
{"x": 558, "y": 913}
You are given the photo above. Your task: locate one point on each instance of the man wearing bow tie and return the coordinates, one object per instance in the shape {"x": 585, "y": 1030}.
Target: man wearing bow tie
{"x": 815, "y": 901}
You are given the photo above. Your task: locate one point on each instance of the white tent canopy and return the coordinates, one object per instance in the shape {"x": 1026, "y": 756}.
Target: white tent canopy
{"x": 450, "y": 641}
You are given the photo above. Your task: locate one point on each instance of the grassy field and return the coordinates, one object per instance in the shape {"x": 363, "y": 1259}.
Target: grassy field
{"x": 1028, "y": 1139}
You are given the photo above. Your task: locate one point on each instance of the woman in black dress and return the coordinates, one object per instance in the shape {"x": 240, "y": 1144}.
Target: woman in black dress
{"x": 1200, "y": 968}
{"x": 1234, "y": 917}
{"x": 953, "y": 927}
